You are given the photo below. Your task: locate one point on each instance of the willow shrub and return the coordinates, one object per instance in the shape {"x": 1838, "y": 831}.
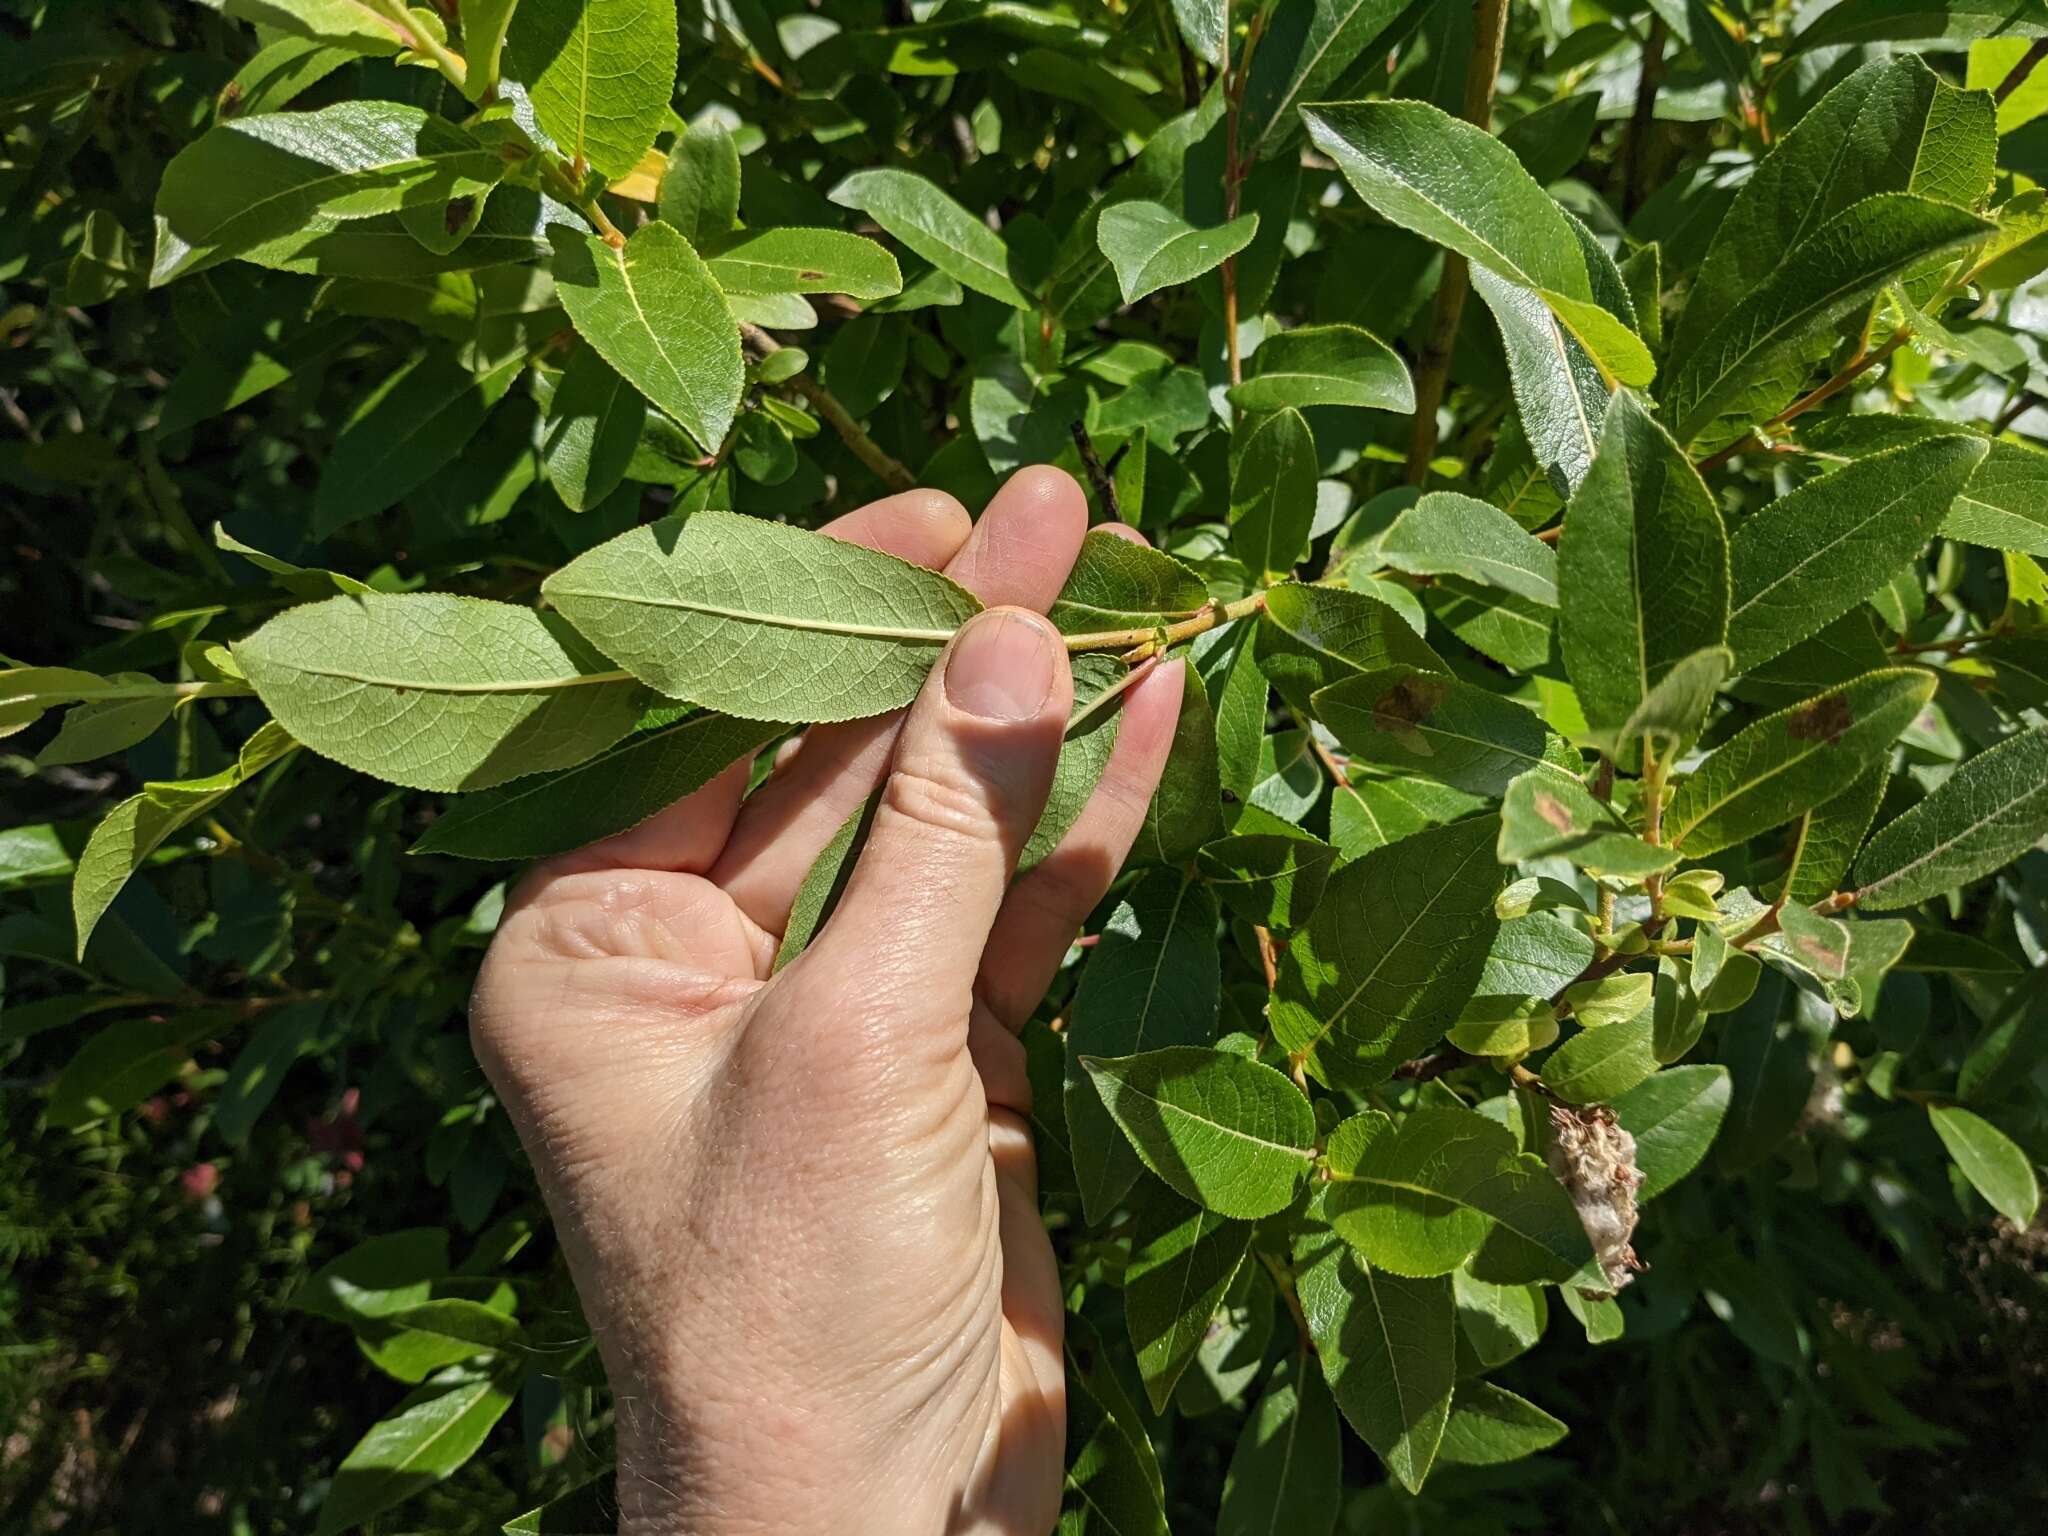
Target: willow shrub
{"x": 1587, "y": 469}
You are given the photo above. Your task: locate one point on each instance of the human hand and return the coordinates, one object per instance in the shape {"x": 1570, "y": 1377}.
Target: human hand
{"x": 801, "y": 1208}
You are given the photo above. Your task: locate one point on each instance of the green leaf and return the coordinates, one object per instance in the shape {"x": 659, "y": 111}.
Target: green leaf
{"x": 431, "y": 1433}
{"x": 1186, "y": 809}
{"x": 137, "y": 827}
{"x": 1445, "y": 532}
{"x": 1232, "y": 1135}
{"x": 2005, "y": 505}
{"x": 348, "y": 23}
{"x": 253, "y": 180}
{"x": 1535, "y": 955}
{"x": 1268, "y": 872}
{"x": 1642, "y": 568}
{"x": 1457, "y": 185}
{"x": 1390, "y": 957}
{"x": 594, "y": 423}
{"x": 612, "y": 792}
{"x": 591, "y": 1510}
{"x": 1923, "y": 21}
{"x": 653, "y": 311}
{"x": 2013, "y": 1043}
{"x": 1993, "y": 1163}
{"x": 121, "y": 1065}
{"x": 1673, "y": 1117}
{"x": 937, "y": 228}
{"x": 1772, "y": 1077}
{"x": 1204, "y": 24}
{"x": 1669, "y": 717}
{"x": 805, "y": 261}
{"x": 825, "y": 881}
{"x": 1599, "y": 1065}
{"x": 1109, "y": 1489}
{"x": 438, "y": 692}
{"x": 1117, "y": 583}
{"x": 279, "y": 73}
{"x": 1490, "y": 1425}
{"x": 1420, "y": 1197}
{"x": 1152, "y": 980}
{"x": 1496, "y": 1323}
{"x": 1325, "y": 365}
{"x": 1789, "y": 762}
{"x": 258, "y": 1072}
{"x": 101, "y": 729}
{"x": 700, "y": 189}
{"x": 1153, "y": 247}
{"x": 1557, "y": 385}
{"x": 1183, "y": 1262}
{"x": 1808, "y": 558}
{"x": 1310, "y": 636}
{"x": 484, "y": 25}
{"x": 1306, "y": 53}
{"x": 1286, "y": 1473}
{"x": 1388, "y": 1347}
{"x": 1092, "y": 727}
{"x": 1754, "y": 361}
{"x": 760, "y": 619}
{"x": 1892, "y": 126}
{"x": 1986, "y": 814}
{"x": 1546, "y": 814}
{"x": 600, "y": 74}
{"x": 1273, "y": 474}
{"x": 416, "y": 422}
{"x": 1437, "y": 727}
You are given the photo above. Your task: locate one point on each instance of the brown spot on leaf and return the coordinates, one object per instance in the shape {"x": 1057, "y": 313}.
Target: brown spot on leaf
{"x": 1822, "y": 720}
{"x": 1407, "y": 703}
{"x": 459, "y": 210}
{"x": 1404, "y": 706}
{"x": 231, "y": 98}
{"x": 810, "y": 275}
{"x": 1554, "y": 811}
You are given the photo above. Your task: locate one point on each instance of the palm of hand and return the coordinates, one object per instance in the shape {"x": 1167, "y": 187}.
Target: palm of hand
{"x": 801, "y": 1208}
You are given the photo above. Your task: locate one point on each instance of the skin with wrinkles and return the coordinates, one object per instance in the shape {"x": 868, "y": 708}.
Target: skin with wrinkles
{"x": 802, "y": 1211}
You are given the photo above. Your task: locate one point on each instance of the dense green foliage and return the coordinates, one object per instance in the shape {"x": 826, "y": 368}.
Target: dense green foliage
{"x": 1578, "y": 1000}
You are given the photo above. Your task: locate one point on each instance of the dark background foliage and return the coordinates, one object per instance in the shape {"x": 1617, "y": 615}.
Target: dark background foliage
{"x": 1833, "y": 1334}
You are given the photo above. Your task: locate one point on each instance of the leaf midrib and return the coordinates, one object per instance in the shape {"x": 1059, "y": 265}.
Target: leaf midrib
{"x": 416, "y": 685}
{"x": 1947, "y": 843}
{"x": 1847, "y": 533}
{"x": 770, "y": 620}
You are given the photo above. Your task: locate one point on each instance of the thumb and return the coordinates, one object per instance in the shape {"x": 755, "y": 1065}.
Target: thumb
{"x": 969, "y": 780}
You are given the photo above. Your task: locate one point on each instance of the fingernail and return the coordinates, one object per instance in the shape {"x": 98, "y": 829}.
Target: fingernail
{"x": 1001, "y": 668}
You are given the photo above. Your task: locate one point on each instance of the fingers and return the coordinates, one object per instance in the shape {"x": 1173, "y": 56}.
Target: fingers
{"x": 1026, "y": 541}
{"x": 1045, "y": 909}
{"x": 1018, "y": 554}
{"x": 967, "y": 784}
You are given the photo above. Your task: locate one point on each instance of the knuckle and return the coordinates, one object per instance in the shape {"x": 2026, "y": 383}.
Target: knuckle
{"x": 941, "y": 801}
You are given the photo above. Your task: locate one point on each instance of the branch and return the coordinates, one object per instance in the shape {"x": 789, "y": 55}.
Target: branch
{"x": 1098, "y": 475}
{"x": 1643, "y": 121}
{"x": 1432, "y": 375}
{"x": 871, "y": 453}
{"x": 1849, "y": 373}
{"x": 1155, "y": 639}
{"x": 421, "y": 42}
{"x": 1283, "y": 1281}
{"x": 2017, "y": 76}
{"x": 1233, "y": 176}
